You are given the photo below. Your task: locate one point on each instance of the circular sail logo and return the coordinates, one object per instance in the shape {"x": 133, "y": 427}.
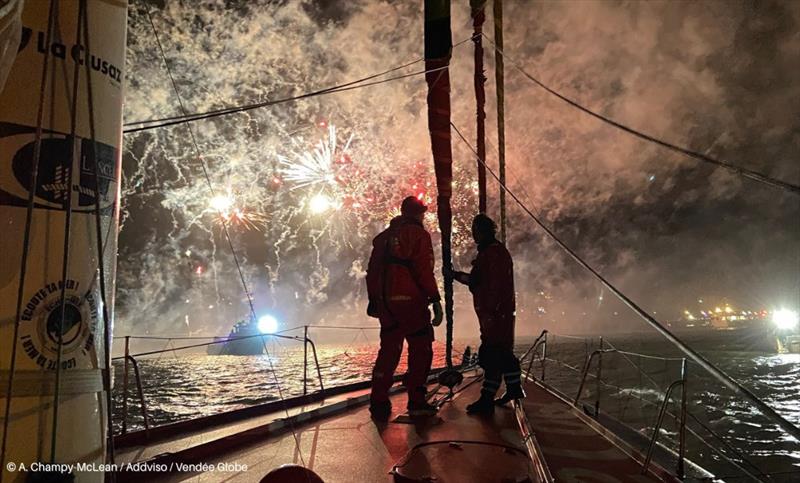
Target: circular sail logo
{"x": 41, "y": 326}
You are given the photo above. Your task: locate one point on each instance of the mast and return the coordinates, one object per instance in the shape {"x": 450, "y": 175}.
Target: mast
{"x": 501, "y": 128}
{"x": 438, "y": 44}
{"x": 60, "y": 154}
{"x": 478, "y": 17}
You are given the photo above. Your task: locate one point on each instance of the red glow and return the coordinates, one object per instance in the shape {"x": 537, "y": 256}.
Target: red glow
{"x": 199, "y": 270}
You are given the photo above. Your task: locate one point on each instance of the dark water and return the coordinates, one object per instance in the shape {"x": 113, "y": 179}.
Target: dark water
{"x": 180, "y": 386}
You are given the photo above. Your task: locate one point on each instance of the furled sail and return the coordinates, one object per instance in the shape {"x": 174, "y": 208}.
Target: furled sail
{"x": 438, "y": 45}
{"x": 477, "y": 9}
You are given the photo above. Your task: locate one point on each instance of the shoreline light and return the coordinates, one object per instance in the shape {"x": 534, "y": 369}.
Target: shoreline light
{"x": 785, "y": 319}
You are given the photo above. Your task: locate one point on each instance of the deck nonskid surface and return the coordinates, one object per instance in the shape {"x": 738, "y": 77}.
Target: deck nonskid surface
{"x": 352, "y": 447}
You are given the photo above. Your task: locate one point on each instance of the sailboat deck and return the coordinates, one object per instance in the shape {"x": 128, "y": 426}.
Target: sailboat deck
{"x": 210, "y": 433}
{"x": 575, "y": 449}
{"x": 349, "y": 446}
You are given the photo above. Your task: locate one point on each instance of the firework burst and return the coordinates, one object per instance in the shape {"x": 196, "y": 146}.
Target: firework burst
{"x": 227, "y": 212}
{"x": 317, "y": 167}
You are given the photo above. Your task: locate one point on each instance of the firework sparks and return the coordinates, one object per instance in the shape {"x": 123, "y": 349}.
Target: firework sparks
{"x": 320, "y": 203}
{"x": 229, "y": 214}
{"x": 315, "y": 167}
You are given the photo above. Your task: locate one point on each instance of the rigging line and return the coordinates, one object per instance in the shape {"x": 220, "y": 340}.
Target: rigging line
{"x": 70, "y": 175}
{"x": 37, "y": 151}
{"x": 202, "y": 164}
{"x": 319, "y": 91}
{"x": 747, "y": 173}
{"x": 196, "y": 117}
{"x": 356, "y": 84}
{"x": 735, "y": 451}
{"x": 519, "y": 182}
{"x": 728, "y": 381}
{"x": 224, "y": 224}
{"x": 691, "y": 431}
{"x": 205, "y": 344}
{"x": 100, "y": 246}
{"x": 283, "y": 400}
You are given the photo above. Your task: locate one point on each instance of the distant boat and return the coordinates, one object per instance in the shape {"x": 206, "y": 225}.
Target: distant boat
{"x": 242, "y": 341}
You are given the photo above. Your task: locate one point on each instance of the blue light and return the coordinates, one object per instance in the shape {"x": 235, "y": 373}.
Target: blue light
{"x": 267, "y": 324}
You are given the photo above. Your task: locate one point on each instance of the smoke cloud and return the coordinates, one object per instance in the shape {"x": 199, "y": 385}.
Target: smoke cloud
{"x": 718, "y": 77}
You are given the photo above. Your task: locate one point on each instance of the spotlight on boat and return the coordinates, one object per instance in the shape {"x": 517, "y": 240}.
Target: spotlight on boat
{"x": 785, "y": 319}
{"x": 267, "y": 324}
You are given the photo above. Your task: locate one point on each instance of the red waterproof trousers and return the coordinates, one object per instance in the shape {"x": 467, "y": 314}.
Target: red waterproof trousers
{"x": 399, "y": 322}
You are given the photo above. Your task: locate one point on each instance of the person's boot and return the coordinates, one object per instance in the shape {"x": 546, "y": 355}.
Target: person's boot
{"x": 512, "y": 393}
{"x": 421, "y": 408}
{"x": 484, "y": 405}
{"x": 380, "y": 411}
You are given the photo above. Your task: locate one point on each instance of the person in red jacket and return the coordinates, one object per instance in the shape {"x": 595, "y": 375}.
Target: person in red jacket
{"x": 400, "y": 286}
{"x": 491, "y": 282}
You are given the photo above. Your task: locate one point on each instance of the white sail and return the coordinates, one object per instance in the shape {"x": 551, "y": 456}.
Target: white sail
{"x": 10, "y": 34}
{"x": 80, "y": 426}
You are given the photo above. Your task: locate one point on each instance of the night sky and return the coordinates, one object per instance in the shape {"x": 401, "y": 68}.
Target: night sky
{"x": 720, "y": 78}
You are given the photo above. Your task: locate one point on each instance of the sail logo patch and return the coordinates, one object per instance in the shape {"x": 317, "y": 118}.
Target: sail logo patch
{"x": 40, "y": 326}
{"x": 59, "y": 154}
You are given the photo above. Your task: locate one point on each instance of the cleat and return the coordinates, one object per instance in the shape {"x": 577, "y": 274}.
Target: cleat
{"x": 421, "y": 409}
{"x": 380, "y": 411}
{"x": 484, "y": 405}
{"x": 512, "y": 394}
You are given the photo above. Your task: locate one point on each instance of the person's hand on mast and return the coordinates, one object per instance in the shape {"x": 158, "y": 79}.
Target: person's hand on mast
{"x": 462, "y": 277}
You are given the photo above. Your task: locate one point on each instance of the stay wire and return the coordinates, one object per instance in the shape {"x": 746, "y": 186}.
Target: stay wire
{"x": 283, "y": 401}
{"x": 37, "y": 151}
{"x": 747, "y": 173}
{"x": 348, "y": 86}
{"x": 197, "y": 117}
{"x": 228, "y": 109}
{"x": 70, "y": 175}
{"x": 100, "y": 245}
{"x": 224, "y": 224}
{"x": 202, "y": 164}
{"x": 729, "y": 382}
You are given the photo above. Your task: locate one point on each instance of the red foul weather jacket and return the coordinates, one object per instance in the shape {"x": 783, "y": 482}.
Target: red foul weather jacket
{"x": 491, "y": 282}
{"x": 400, "y": 268}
